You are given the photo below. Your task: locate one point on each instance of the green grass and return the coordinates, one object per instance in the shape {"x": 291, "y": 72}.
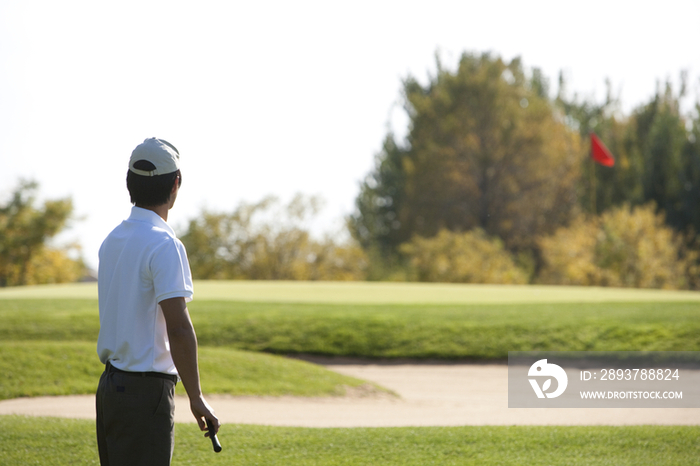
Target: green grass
{"x": 446, "y": 331}
{"x": 483, "y": 332}
{"x": 41, "y": 368}
{"x": 376, "y": 293}
{"x": 50, "y": 441}
{"x": 48, "y": 348}
{"x": 48, "y": 345}
{"x": 47, "y": 368}
{"x": 49, "y": 319}
{"x": 233, "y": 372}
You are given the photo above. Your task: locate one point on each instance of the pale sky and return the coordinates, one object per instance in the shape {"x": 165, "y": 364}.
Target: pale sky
{"x": 279, "y": 97}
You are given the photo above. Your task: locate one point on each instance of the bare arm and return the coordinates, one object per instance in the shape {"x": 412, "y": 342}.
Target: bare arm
{"x": 183, "y": 347}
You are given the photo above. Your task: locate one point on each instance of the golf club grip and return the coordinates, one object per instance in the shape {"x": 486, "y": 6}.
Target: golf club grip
{"x": 214, "y": 439}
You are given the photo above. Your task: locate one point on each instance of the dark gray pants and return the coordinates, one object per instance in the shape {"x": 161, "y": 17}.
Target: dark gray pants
{"x": 135, "y": 420}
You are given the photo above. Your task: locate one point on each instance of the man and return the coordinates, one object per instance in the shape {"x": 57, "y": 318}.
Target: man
{"x": 146, "y": 336}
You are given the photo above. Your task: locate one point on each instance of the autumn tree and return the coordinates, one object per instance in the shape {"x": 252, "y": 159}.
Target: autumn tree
{"x": 25, "y": 256}
{"x": 269, "y": 241}
{"x": 485, "y": 149}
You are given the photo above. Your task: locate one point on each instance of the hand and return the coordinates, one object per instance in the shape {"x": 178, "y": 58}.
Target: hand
{"x": 202, "y": 411}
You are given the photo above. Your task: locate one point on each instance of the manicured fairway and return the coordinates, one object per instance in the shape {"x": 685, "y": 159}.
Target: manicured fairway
{"x": 52, "y": 442}
{"x": 377, "y": 293}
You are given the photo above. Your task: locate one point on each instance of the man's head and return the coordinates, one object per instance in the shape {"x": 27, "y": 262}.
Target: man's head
{"x": 154, "y": 168}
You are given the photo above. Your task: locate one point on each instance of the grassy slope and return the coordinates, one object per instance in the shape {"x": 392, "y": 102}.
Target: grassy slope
{"x": 47, "y": 441}
{"x": 476, "y": 331}
{"x": 48, "y": 368}
{"x": 486, "y": 331}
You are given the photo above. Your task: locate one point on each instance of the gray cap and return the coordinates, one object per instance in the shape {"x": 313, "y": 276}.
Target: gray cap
{"x": 163, "y": 155}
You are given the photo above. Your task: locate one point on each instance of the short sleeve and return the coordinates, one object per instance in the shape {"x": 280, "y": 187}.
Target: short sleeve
{"x": 171, "y": 272}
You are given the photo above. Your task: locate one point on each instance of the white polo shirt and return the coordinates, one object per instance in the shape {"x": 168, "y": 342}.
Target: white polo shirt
{"x": 141, "y": 263}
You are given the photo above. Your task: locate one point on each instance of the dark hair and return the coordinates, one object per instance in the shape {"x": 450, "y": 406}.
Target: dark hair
{"x": 150, "y": 191}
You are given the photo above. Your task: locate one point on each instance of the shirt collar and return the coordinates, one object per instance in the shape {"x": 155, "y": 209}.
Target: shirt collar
{"x": 139, "y": 214}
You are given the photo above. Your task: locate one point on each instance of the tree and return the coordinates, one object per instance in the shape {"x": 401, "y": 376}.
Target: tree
{"x": 267, "y": 241}
{"x": 670, "y": 163}
{"x": 603, "y": 187}
{"x": 25, "y": 258}
{"x": 656, "y": 150}
{"x": 691, "y": 175}
{"x": 484, "y": 150}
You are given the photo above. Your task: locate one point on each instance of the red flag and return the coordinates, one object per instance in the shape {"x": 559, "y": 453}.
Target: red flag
{"x": 600, "y": 153}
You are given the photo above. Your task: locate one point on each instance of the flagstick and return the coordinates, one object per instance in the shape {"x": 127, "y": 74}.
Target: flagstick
{"x": 593, "y": 206}
{"x": 599, "y": 154}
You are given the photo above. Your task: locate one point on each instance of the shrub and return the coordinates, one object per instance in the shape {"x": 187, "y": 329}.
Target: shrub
{"x": 470, "y": 257}
{"x": 623, "y": 247}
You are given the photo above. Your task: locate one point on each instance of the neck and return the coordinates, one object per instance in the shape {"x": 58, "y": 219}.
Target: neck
{"x": 161, "y": 210}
